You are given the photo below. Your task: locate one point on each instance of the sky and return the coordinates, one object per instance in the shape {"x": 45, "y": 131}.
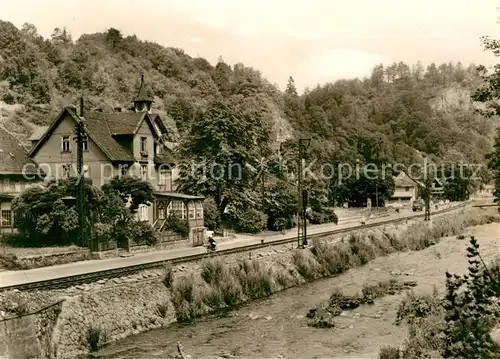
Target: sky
{"x": 315, "y": 41}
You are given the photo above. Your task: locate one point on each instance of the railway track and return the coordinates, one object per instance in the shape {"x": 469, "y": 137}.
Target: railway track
{"x": 69, "y": 281}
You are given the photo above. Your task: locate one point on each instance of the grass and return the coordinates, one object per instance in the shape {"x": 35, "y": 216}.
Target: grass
{"x": 389, "y": 353}
{"x": 162, "y": 309}
{"x": 168, "y": 278}
{"x": 222, "y": 285}
{"x": 94, "y": 338}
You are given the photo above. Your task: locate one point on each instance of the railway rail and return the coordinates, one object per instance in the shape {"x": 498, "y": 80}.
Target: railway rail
{"x": 69, "y": 281}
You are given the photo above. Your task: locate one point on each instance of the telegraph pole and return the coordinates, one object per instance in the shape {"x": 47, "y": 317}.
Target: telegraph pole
{"x": 427, "y": 192}
{"x": 80, "y": 133}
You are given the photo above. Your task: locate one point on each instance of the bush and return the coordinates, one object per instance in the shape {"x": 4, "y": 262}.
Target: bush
{"x": 334, "y": 259}
{"x": 249, "y": 220}
{"x": 317, "y": 218}
{"x": 255, "y": 279}
{"x": 280, "y": 224}
{"x": 326, "y": 215}
{"x": 361, "y": 249}
{"x": 177, "y": 225}
{"x": 412, "y": 309}
{"x": 331, "y": 215}
{"x": 389, "y": 353}
{"x": 143, "y": 233}
{"x": 103, "y": 232}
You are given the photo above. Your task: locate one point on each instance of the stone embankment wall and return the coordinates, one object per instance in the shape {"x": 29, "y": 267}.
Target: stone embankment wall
{"x": 29, "y": 335}
{"x": 113, "y": 312}
{"x": 119, "y": 307}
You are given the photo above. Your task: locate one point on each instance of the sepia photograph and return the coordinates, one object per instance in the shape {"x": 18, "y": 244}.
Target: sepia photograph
{"x": 249, "y": 179}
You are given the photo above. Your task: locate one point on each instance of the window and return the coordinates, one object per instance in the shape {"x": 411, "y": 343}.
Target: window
{"x": 144, "y": 172}
{"x": 178, "y": 209}
{"x": 191, "y": 211}
{"x": 6, "y": 185}
{"x": 199, "y": 210}
{"x": 123, "y": 170}
{"x": 143, "y": 212}
{"x": 161, "y": 213}
{"x": 165, "y": 180}
{"x": 144, "y": 144}
{"x": 17, "y": 186}
{"x": 66, "y": 170}
{"x": 65, "y": 144}
{"x": 407, "y": 189}
{"x": 6, "y": 218}
{"x": 85, "y": 144}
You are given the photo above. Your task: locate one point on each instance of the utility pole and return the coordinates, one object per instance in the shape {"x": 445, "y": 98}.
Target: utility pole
{"x": 301, "y": 213}
{"x": 427, "y": 193}
{"x": 263, "y": 191}
{"x": 80, "y": 133}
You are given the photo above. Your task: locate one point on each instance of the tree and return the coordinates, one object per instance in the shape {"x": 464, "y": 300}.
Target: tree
{"x": 459, "y": 184}
{"x": 489, "y": 93}
{"x": 131, "y": 190}
{"x": 46, "y": 215}
{"x": 114, "y": 37}
{"x": 494, "y": 165}
{"x": 290, "y": 87}
{"x": 221, "y": 143}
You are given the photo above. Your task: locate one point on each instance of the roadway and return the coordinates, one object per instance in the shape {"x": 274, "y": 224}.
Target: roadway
{"x": 11, "y": 278}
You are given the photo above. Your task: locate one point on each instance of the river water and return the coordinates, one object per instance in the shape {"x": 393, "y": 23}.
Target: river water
{"x": 275, "y": 327}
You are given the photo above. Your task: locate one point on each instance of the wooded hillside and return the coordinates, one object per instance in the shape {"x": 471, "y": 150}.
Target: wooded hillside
{"x": 400, "y": 109}
{"x": 399, "y": 114}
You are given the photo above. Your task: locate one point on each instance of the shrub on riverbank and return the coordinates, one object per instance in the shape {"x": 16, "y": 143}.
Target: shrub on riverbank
{"x": 458, "y": 325}
{"x": 223, "y": 284}
{"x": 323, "y": 316}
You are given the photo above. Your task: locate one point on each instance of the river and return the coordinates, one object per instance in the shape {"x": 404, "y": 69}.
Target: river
{"x": 276, "y": 327}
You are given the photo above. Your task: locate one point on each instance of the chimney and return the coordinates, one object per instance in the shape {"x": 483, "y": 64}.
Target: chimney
{"x": 118, "y": 109}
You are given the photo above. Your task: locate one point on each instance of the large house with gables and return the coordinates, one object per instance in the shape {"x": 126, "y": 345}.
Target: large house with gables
{"x": 121, "y": 143}
{"x": 17, "y": 172}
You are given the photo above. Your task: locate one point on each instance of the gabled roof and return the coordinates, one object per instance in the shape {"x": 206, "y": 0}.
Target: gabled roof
{"x": 402, "y": 180}
{"x": 142, "y": 95}
{"x": 164, "y": 158}
{"x": 14, "y": 158}
{"x": 101, "y": 127}
{"x": 38, "y": 133}
{"x": 118, "y": 123}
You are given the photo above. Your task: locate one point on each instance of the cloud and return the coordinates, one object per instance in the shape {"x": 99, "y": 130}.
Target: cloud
{"x": 334, "y": 64}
